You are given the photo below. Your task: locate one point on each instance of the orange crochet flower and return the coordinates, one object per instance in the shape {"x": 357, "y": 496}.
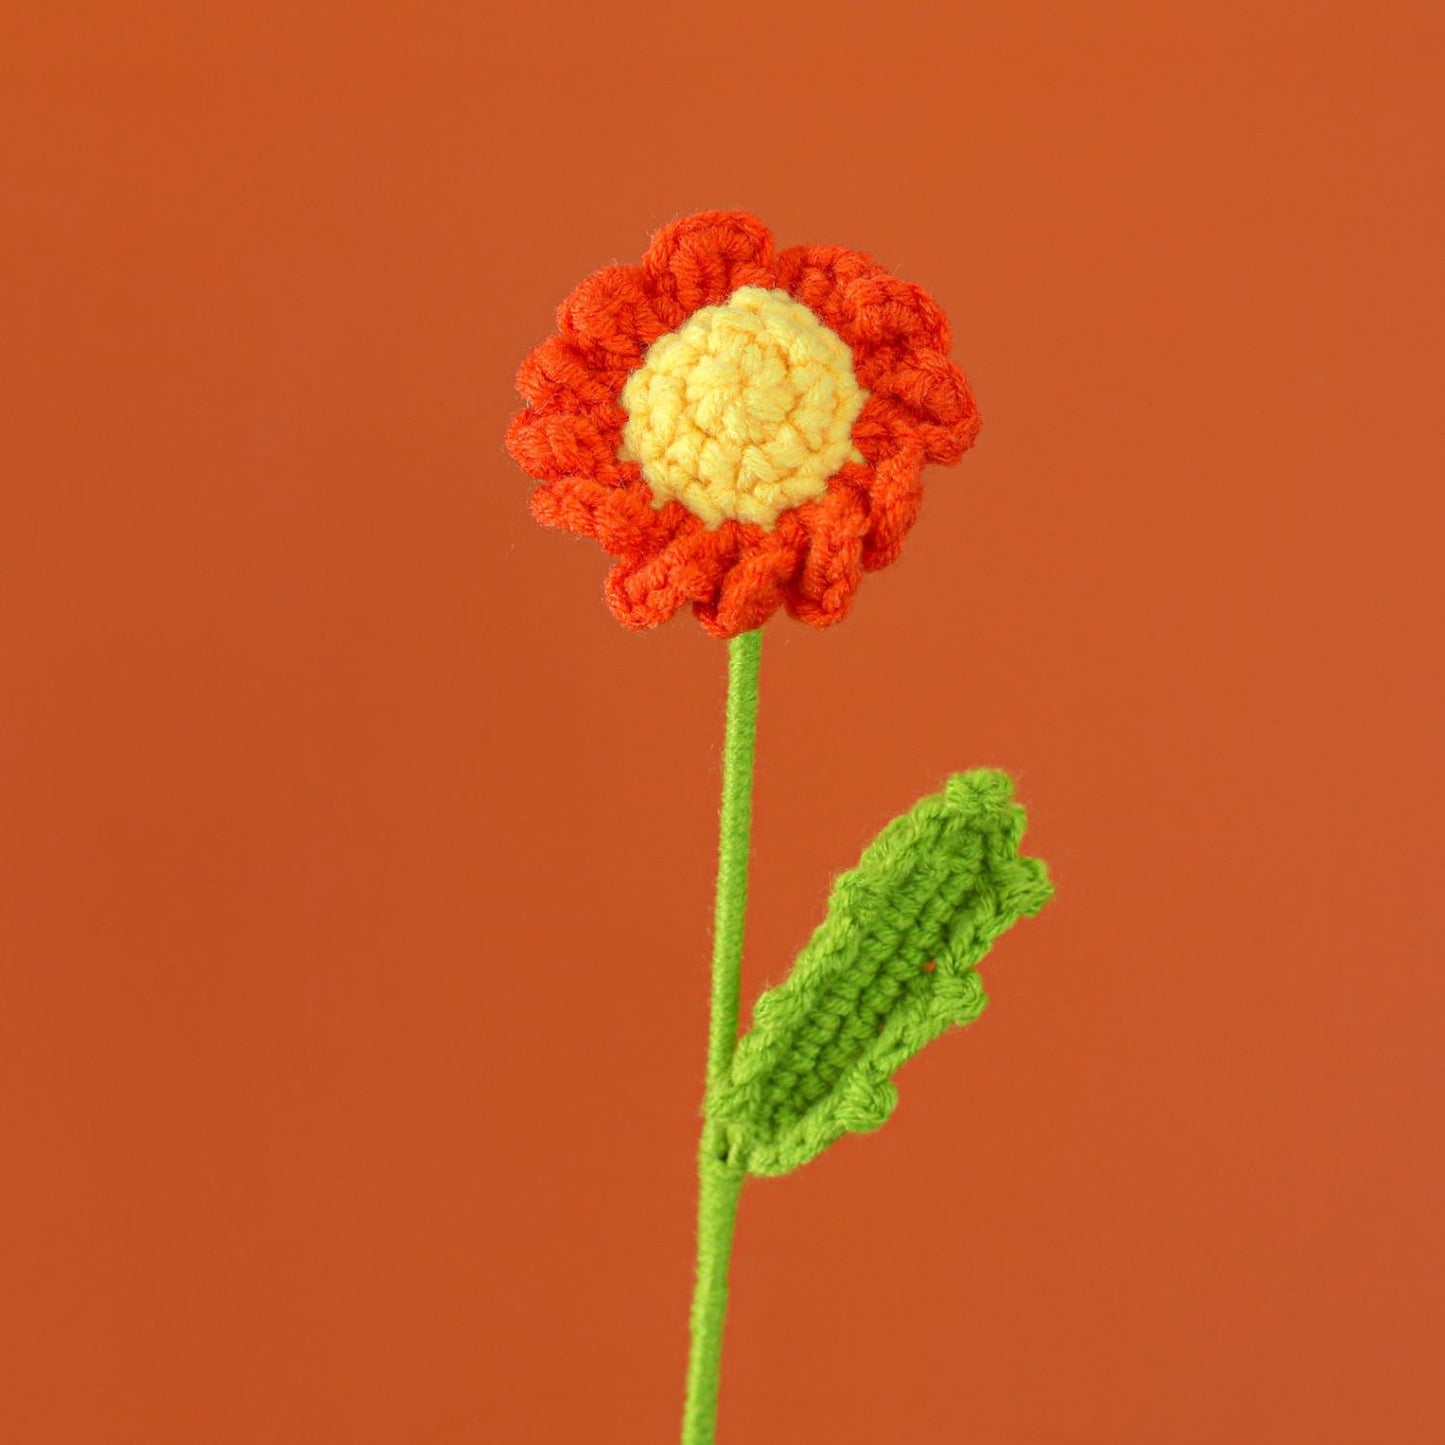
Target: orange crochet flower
{"x": 743, "y": 429}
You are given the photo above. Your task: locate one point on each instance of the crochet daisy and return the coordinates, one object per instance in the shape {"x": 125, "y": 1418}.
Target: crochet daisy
{"x": 742, "y": 428}
{"x": 745, "y": 429}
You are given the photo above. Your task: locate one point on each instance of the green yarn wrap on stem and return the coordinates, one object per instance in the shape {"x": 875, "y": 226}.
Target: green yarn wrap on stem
{"x": 720, "y": 1181}
{"x": 734, "y": 832}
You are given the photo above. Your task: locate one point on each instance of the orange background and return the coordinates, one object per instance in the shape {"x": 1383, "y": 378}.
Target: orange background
{"x": 355, "y": 867}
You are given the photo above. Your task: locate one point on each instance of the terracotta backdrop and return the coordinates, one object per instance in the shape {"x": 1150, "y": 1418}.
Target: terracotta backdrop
{"x": 355, "y": 866}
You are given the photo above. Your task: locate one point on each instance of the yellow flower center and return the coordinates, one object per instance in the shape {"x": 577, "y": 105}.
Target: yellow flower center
{"x": 744, "y": 411}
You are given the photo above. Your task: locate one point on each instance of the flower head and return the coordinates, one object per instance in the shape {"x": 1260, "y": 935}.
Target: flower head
{"x": 743, "y": 429}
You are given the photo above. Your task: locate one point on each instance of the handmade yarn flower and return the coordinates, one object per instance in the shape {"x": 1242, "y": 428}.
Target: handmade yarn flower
{"x": 746, "y": 430}
{"x": 742, "y": 428}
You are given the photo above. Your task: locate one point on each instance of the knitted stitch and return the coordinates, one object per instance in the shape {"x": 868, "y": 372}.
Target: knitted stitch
{"x": 889, "y": 969}
{"x": 742, "y": 430}
{"x": 678, "y": 541}
{"x": 744, "y": 411}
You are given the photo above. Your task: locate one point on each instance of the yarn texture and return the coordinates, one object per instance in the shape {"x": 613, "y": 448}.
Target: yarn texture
{"x": 891, "y": 967}
{"x": 743, "y": 430}
{"x": 720, "y": 1181}
{"x": 744, "y": 411}
{"x": 698, "y": 433}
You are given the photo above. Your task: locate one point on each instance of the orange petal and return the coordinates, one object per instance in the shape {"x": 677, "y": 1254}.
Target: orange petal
{"x": 627, "y": 523}
{"x": 646, "y": 590}
{"x": 833, "y": 564}
{"x": 927, "y": 395}
{"x": 559, "y": 374}
{"x": 701, "y": 260}
{"x": 893, "y": 502}
{"x": 550, "y": 445}
{"x": 755, "y": 586}
{"x": 570, "y": 504}
{"x": 888, "y": 310}
{"x": 611, "y": 310}
{"x": 822, "y": 278}
{"x": 882, "y": 428}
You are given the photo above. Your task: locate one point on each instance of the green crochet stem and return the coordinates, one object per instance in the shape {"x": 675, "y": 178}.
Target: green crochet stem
{"x": 719, "y": 1181}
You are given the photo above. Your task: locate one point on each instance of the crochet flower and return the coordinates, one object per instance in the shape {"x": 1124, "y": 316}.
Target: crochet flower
{"x": 743, "y": 429}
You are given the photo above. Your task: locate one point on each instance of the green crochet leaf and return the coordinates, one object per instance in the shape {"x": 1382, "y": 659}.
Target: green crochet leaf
{"x": 890, "y": 968}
